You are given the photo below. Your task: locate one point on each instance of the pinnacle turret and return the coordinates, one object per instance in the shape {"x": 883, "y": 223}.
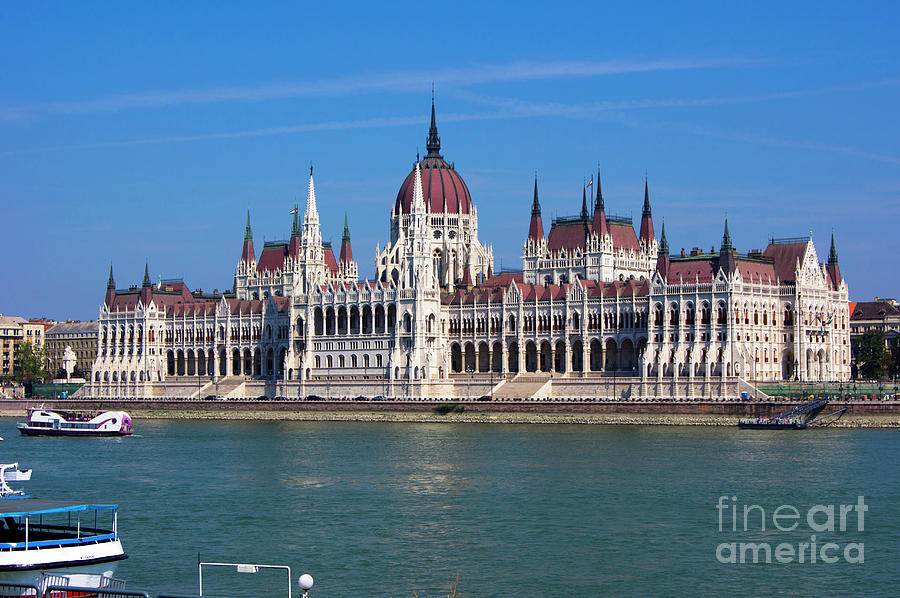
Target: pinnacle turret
{"x": 346, "y": 250}
{"x": 647, "y": 235}
{"x": 726, "y": 239}
{"x": 146, "y": 282}
{"x": 663, "y": 242}
{"x": 536, "y": 228}
{"x": 598, "y": 204}
{"x": 111, "y": 284}
{"x": 247, "y": 253}
{"x": 601, "y": 228}
{"x": 662, "y": 258}
{"x": 832, "y": 255}
{"x": 646, "y": 211}
{"x": 833, "y": 269}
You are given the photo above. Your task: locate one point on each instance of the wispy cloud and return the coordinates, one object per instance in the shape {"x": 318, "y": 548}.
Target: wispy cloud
{"x": 561, "y": 109}
{"x": 509, "y": 108}
{"x": 397, "y": 81}
{"x": 304, "y": 128}
{"x": 618, "y": 113}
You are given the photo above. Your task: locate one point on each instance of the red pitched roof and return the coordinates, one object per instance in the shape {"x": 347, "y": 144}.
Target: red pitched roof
{"x": 272, "y": 257}
{"x": 786, "y": 256}
{"x": 756, "y": 271}
{"x": 623, "y": 235}
{"x": 567, "y": 235}
{"x": 330, "y": 262}
{"x": 690, "y": 270}
{"x": 502, "y": 279}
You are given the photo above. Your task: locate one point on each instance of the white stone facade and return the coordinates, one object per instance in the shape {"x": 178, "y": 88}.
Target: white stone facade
{"x": 603, "y": 305}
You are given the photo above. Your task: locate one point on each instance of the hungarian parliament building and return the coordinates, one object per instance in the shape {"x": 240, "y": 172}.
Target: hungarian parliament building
{"x": 600, "y": 309}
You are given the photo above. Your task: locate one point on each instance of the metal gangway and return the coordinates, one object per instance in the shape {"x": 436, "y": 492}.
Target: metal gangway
{"x": 808, "y": 411}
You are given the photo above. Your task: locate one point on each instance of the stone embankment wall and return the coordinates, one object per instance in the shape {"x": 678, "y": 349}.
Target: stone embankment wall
{"x": 542, "y": 386}
{"x": 706, "y": 408}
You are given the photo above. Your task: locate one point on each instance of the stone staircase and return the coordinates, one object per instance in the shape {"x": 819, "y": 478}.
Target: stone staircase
{"x": 231, "y": 387}
{"x": 524, "y": 386}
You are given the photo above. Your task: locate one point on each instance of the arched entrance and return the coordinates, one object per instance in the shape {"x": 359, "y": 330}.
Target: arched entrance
{"x": 546, "y": 356}
{"x": 612, "y": 356}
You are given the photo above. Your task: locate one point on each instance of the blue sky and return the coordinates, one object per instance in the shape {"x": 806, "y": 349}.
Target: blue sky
{"x": 144, "y": 131}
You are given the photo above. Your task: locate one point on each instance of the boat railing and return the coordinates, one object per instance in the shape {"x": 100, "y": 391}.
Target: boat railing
{"x": 115, "y": 589}
{"x": 60, "y": 543}
{"x": 63, "y": 591}
{"x": 19, "y": 589}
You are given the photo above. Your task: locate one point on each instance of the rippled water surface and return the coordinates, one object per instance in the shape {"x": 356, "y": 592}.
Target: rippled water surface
{"x": 373, "y": 509}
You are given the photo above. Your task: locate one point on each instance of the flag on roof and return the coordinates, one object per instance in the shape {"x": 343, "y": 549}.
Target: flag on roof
{"x": 293, "y": 211}
{"x": 591, "y": 182}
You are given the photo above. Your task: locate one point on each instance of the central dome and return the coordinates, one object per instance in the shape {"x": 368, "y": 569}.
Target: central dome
{"x": 442, "y": 187}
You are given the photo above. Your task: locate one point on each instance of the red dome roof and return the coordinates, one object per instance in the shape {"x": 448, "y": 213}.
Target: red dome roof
{"x": 441, "y": 186}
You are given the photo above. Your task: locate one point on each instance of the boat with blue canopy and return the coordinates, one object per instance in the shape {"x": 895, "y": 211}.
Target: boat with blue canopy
{"x": 45, "y": 541}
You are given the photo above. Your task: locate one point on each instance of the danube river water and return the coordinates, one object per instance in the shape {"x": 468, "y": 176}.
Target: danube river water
{"x": 373, "y": 509}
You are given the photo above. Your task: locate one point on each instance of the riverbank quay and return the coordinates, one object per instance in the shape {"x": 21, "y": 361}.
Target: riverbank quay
{"x": 860, "y": 414}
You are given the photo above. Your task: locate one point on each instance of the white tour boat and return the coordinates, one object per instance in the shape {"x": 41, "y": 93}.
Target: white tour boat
{"x": 53, "y": 422}
{"x": 50, "y": 542}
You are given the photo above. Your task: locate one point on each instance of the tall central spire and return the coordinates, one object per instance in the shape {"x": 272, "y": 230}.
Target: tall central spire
{"x": 433, "y": 144}
{"x": 312, "y": 213}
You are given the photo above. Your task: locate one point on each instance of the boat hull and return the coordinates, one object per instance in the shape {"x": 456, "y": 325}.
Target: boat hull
{"x": 787, "y": 426}
{"x": 29, "y": 431}
{"x": 84, "y": 566}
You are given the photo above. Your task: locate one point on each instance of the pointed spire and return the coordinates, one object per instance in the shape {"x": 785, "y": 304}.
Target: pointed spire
{"x": 584, "y": 210}
{"x": 433, "y": 144}
{"x": 598, "y": 204}
{"x": 726, "y": 239}
{"x": 346, "y": 249}
{"x": 467, "y": 275}
{"x": 646, "y": 211}
{"x": 834, "y": 270}
{"x": 647, "y": 235}
{"x": 111, "y": 284}
{"x": 146, "y": 282}
{"x": 663, "y": 243}
{"x": 600, "y": 226}
{"x": 247, "y": 253}
{"x": 312, "y": 212}
{"x": 536, "y": 228}
{"x": 295, "y": 226}
{"x": 662, "y": 258}
{"x": 418, "y": 202}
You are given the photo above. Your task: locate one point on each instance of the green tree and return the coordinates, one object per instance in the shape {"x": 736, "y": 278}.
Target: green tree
{"x": 30, "y": 363}
{"x": 872, "y": 357}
